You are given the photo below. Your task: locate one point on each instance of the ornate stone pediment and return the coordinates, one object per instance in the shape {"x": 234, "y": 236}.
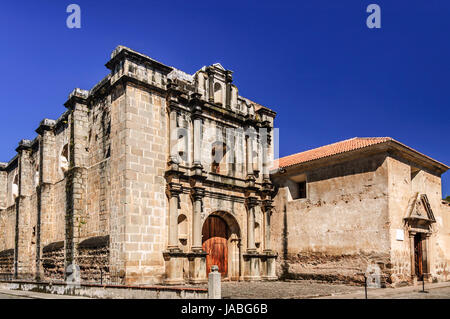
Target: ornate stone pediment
{"x": 419, "y": 213}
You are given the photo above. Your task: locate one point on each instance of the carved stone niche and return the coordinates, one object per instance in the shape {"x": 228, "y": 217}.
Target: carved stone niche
{"x": 419, "y": 214}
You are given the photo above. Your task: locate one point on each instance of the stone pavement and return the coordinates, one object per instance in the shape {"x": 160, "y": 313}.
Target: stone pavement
{"x": 20, "y": 294}
{"x": 434, "y": 291}
{"x": 8, "y": 296}
{"x": 305, "y": 289}
{"x": 283, "y": 289}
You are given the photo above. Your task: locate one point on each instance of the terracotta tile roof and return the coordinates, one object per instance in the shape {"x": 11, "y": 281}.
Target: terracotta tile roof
{"x": 331, "y": 149}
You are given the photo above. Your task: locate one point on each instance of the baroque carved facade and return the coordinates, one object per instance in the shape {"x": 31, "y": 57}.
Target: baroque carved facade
{"x": 134, "y": 182}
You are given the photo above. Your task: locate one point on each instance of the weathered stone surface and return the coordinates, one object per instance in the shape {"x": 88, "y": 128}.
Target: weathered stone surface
{"x": 92, "y": 188}
{"x": 353, "y": 213}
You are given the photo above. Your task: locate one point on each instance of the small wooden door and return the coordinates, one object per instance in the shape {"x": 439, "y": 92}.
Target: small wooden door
{"x": 215, "y": 243}
{"x": 418, "y": 255}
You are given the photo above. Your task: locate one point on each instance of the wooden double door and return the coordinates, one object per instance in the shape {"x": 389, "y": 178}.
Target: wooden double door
{"x": 215, "y": 234}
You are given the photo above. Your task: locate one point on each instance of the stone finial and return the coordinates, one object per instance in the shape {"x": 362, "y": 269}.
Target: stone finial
{"x": 180, "y": 75}
{"x": 23, "y": 144}
{"x": 45, "y": 125}
{"x": 117, "y": 50}
{"x": 79, "y": 93}
{"x": 76, "y": 96}
{"x": 47, "y": 122}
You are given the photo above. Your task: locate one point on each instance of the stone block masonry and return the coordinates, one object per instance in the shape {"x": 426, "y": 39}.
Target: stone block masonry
{"x": 103, "y": 187}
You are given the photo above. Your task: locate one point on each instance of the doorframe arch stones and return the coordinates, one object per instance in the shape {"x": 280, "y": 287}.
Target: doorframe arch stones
{"x": 419, "y": 220}
{"x": 234, "y": 243}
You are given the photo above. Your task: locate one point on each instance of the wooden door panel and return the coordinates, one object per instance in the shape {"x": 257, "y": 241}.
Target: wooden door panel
{"x": 215, "y": 243}
{"x": 418, "y": 255}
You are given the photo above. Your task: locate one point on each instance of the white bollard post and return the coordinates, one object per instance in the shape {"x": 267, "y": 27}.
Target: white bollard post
{"x": 214, "y": 288}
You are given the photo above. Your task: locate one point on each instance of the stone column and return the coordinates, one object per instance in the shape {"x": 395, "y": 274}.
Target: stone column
{"x": 23, "y": 250}
{"x": 228, "y": 81}
{"x": 270, "y": 256}
{"x": 197, "y": 139}
{"x": 411, "y": 248}
{"x": 256, "y": 149}
{"x": 76, "y": 174}
{"x": 264, "y": 153}
{"x": 46, "y": 165}
{"x": 251, "y": 227}
{"x": 3, "y": 185}
{"x": 426, "y": 256}
{"x": 173, "y": 256}
{"x": 249, "y": 148}
{"x": 198, "y": 194}
{"x": 174, "y": 193}
{"x": 211, "y": 86}
{"x": 173, "y": 137}
{"x": 267, "y": 213}
{"x": 197, "y": 257}
{"x": 251, "y": 257}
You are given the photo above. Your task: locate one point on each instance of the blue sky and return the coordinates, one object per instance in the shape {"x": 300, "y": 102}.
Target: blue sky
{"x": 316, "y": 63}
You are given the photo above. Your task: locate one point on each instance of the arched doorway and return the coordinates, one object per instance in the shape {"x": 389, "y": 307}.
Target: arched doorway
{"x": 221, "y": 241}
{"x": 215, "y": 234}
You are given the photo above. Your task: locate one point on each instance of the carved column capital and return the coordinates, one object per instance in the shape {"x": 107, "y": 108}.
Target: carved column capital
{"x": 251, "y": 202}
{"x": 267, "y": 205}
{"x": 198, "y": 193}
{"x": 174, "y": 189}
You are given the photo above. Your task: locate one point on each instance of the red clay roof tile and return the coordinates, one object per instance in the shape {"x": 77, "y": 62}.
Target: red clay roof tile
{"x": 331, "y": 149}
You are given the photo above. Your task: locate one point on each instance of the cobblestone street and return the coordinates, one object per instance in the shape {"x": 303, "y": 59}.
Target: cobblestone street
{"x": 432, "y": 291}
{"x": 283, "y": 289}
{"x": 316, "y": 289}
{"x": 8, "y": 296}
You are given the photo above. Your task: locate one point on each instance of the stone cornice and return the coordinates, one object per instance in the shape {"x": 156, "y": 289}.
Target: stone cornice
{"x": 124, "y": 79}
{"x": 45, "y": 125}
{"x": 122, "y": 52}
{"x": 77, "y": 96}
{"x": 24, "y": 145}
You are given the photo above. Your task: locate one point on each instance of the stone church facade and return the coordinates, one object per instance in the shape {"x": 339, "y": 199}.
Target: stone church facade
{"x": 152, "y": 176}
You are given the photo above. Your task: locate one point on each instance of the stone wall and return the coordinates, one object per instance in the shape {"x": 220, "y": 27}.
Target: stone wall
{"x": 406, "y": 180}
{"x": 355, "y": 214}
{"x": 146, "y": 149}
{"x": 340, "y": 228}
{"x": 3, "y": 187}
{"x": 7, "y": 261}
{"x": 7, "y": 228}
{"x": 93, "y": 259}
{"x": 53, "y": 261}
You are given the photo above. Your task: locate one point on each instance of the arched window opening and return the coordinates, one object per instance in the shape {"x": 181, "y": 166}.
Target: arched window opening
{"x": 218, "y": 93}
{"x": 64, "y": 159}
